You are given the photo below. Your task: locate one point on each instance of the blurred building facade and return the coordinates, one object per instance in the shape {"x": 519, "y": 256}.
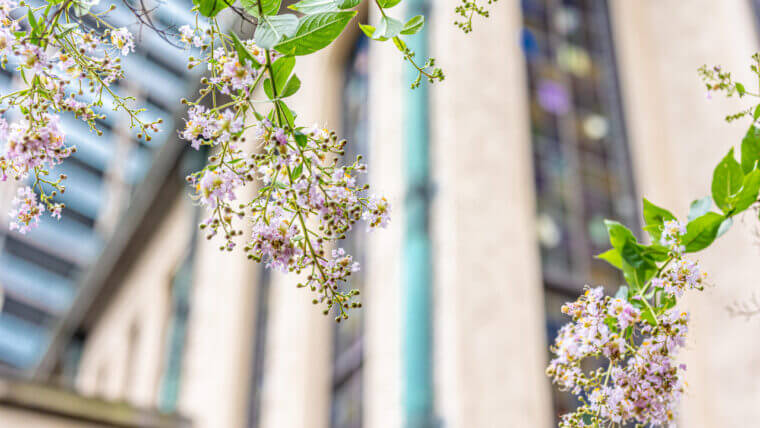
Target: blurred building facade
{"x": 554, "y": 115}
{"x": 39, "y": 271}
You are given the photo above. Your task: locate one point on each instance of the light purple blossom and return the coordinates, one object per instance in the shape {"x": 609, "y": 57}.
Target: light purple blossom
{"x": 123, "y": 40}
{"x": 25, "y": 212}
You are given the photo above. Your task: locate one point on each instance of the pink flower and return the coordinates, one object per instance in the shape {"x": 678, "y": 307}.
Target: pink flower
{"x": 123, "y": 41}
{"x": 26, "y": 210}
{"x": 378, "y": 213}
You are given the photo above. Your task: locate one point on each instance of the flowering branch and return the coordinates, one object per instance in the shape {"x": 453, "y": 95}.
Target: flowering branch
{"x": 467, "y": 10}
{"x": 637, "y": 334}
{"x": 308, "y": 197}
{"x": 56, "y": 59}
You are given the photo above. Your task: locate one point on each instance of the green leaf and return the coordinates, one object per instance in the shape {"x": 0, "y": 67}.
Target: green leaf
{"x": 633, "y": 254}
{"x": 702, "y": 231}
{"x": 291, "y": 86}
{"x": 282, "y": 69}
{"x": 740, "y": 89}
{"x": 724, "y": 227}
{"x": 301, "y": 139}
{"x": 210, "y": 8}
{"x": 700, "y": 207}
{"x": 311, "y": 7}
{"x": 612, "y": 323}
{"x": 348, "y": 4}
{"x": 655, "y": 252}
{"x": 297, "y": 171}
{"x": 612, "y": 256}
{"x": 37, "y": 30}
{"x": 388, "y": 28}
{"x": 756, "y": 114}
{"x": 668, "y": 301}
{"x": 414, "y": 25}
{"x": 269, "y": 7}
{"x": 648, "y": 315}
{"x": 290, "y": 117}
{"x": 619, "y": 234}
{"x": 32, "y": 20}
{"x": 286, "y": 83}
{"x": 655, "y": 216}
{"x": 269, "y": 90}
{"x": 386, "y": 4}
{"x": 634, "y": 277}
{"x": 748, "y": 194}
{"x": 727, "y": 180}
{"x": 400, "y": 45}
{"x": 368, "y": 30}
{"x": 272, "y": 29}
{"x": 315, "y": 32}
{"x": 242, "y": 51}
{"x": 750, "y": 148}
{"x": 636, "y": 261}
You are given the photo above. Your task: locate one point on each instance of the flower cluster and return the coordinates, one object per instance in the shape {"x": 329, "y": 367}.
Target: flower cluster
{"x": 191, "y": 36}
{"x": 637, "y": 336}
{"x": 308, "y": 196}
{"x": 55, "y": 59}
{"x": 204, "y": 127}
{"x": 671, "y": 236}
{"x": 591, "y": 334}
{"x": 26, "y": 210}
{"x": 684, "y": 274}
{"x": 642, "y": 383}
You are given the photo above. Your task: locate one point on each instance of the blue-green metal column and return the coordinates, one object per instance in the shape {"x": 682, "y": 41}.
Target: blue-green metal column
{"x": 418, "y": 382}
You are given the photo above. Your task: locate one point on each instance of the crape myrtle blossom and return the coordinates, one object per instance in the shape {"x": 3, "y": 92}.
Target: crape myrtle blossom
{"x": 190, "y": 36}
{"x": 672, "y": 231}
{"x": 681, "y": 275}
{"x": 308, "y": 196}
{"x": 640, "y": 381}
{"x": 122, "y": 39}
{"x": 58, "y": 62}
{"x": 26, "y": 210}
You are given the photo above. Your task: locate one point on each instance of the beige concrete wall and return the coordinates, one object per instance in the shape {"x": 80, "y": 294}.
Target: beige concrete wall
{"x": 124, "y": 354}
{"x": 490, "y": 334}
{"x": 216, "y": 361}
{"x": 677, "y": 137}
{"x": 215, "y": 379}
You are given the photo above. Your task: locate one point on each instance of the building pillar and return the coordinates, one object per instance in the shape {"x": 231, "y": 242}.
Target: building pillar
{"x": 490, "y": 337}
{"x": 384, "y": 327}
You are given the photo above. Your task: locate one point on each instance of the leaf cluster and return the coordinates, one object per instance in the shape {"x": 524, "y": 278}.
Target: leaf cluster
{"x": 735, "y": 187}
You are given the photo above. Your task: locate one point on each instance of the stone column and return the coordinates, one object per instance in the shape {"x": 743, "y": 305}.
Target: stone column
{"x": 490, "y": 326}
{"x": 383, "y": 323}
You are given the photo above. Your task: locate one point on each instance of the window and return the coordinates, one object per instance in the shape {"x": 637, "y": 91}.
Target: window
{"x": 39, "y": 271}
{"x": 259, "y": 348}
{"x": 581, "y": 164}
{"x": 176, "y": 334}
{"x": 132, "y": 358}
{"x": 346, "y": 409}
